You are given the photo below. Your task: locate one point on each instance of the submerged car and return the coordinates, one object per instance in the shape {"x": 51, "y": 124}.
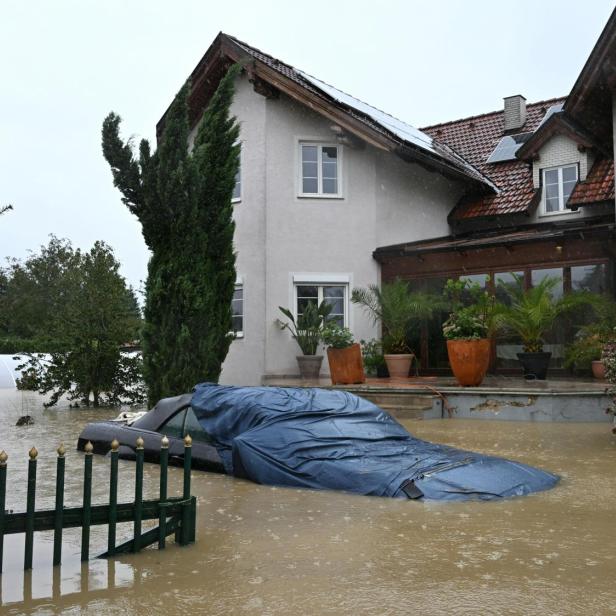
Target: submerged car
{"x": 172, "y": 417}
{"x": 315, "y": 438}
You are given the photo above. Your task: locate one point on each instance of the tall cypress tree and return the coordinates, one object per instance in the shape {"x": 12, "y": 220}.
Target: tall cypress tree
{"x": 183, "y": 201}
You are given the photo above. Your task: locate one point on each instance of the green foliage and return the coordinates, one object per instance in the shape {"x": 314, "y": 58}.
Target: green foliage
{"x": 308, "y": 329}
{"x": 337, "y": 337}
{"x": 591, "y": 338}
{"x": 99, "y": 315}
{"x": 372, "y": 353}
{"x": 183, "y": 201}
{"x": 608, "y": 357}
{"x": 532, "y": 312}
{"x": 5, "y": 208}
{"x": 472, "y": 311}
{"x": 396, "y": 308}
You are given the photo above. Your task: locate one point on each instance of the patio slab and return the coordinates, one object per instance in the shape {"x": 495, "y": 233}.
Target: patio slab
{"x": 498, "y": 397}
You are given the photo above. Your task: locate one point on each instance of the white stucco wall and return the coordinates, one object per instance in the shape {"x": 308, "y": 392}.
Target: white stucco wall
{"x": 279, "y": 234}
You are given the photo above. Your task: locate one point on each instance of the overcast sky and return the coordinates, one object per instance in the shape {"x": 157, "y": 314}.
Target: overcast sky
{"x": 65, "y": 64}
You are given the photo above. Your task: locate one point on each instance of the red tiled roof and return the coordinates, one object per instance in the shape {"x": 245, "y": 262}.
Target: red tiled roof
{"x": 474, "y": 139}
{"x": 598, "y": 185}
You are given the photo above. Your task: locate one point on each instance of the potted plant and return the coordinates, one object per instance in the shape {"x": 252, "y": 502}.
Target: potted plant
{"x": 374, "y": 360}
{"x": 344, "y": 355}
{"x": 307, "y": 331}
{"x": 395, "y": 308}
{"x": 531, "y": 313}
{"x": 467, "y": 331}
{"x": 587, "y": 348}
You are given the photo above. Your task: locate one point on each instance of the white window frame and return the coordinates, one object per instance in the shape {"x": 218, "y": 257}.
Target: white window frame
{"x": 239, "y": 284}
{"x": 562, "y": 209}
{"x": 320, "y": 194}
{"x": 239, "y": 174}
{"x": 321, "y": 282}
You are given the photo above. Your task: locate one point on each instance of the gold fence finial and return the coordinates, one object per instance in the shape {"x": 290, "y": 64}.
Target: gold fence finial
{"x": 139, "y": 443}
{"x": 188, "y": 441}
{"x": 33, "y": 453}
{"x": 3, "y": 457}
{"x": 164, "y": 442}
{"x": 61, "y": 450}
{"x": 89, "y": 448}
{"x": 115, "y": 445}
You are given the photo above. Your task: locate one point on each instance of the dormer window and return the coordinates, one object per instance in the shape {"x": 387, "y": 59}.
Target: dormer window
{"x": 558, "y": 184}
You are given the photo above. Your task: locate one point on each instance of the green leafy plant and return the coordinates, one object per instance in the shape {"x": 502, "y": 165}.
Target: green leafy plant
{"x": 396, "y": 308}
{"x": 308, "y": 328}
{"x": 473, "y": 311}
{"x": 532, "y": 312}
{"x": 372, "y": 354}
{"x": 608, "y": 357}
{"x": 591, "y": 338}
{"x": 337, "y": 337}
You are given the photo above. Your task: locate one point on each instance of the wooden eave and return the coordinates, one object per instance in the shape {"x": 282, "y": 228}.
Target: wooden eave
{"x": 516, "y": 236}
{"x": 224, "y": 51}
{"x": 558, "y": 124}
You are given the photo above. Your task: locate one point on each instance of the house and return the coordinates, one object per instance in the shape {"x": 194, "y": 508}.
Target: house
{"x": 334, "y": 194}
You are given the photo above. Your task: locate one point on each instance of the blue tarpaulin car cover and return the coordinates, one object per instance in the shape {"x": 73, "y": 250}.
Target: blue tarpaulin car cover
{"x": 331, "y": 439}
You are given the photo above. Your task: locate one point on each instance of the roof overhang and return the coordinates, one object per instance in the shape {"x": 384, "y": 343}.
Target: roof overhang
{"x": 590, "y": 100}
{"x": 558, "y": 124}
{"x": 494, "y": 239}
{"x": 225, "y": 51}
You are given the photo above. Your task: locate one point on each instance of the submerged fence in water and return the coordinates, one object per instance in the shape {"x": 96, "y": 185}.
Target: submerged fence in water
{"x": 175, "y": 515}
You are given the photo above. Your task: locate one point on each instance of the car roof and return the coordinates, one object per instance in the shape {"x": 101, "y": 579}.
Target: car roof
{"x": 162, "y": 412}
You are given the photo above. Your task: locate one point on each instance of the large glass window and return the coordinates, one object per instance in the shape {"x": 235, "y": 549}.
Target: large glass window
{"x": 333, "y": 294}
{"x": 237, "y": 311}
{"x": 507, "y": 345}
{"x": 319, "y": 170}
{"x": 591, "y": 278}
{"x": 194, "y": 428}
{"x": 558, "y": 184}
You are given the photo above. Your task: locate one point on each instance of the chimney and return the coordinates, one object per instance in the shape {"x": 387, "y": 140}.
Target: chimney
{"x": 515, "y": 112}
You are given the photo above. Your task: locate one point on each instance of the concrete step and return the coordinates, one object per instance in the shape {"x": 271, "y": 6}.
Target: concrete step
{"x": 403, "y": 406}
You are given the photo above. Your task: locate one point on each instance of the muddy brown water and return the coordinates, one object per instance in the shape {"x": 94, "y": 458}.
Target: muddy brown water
{"x": 271, "y": 551}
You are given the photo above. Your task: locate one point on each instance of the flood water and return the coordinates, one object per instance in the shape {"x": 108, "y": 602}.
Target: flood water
{"x": 274, "y": 551}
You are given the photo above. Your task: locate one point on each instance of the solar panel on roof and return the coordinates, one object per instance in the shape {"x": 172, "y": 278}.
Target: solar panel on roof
{"x": 507, "y": 147}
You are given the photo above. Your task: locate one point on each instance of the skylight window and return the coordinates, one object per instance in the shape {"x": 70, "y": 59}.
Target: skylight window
{"x": 507, "y": 147}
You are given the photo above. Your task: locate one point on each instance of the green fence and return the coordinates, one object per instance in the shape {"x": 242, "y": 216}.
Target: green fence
{"x": 175, "y": 515}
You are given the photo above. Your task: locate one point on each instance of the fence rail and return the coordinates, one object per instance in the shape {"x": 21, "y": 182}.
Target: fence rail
{"x": 175, "y": 515}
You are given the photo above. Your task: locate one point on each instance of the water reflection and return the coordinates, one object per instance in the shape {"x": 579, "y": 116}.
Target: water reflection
{"x": 263, "y": 550}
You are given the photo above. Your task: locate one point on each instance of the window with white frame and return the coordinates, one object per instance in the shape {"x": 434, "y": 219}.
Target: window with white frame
{"x": 558, "y": 184}
{"x": 237, "y": 311}
{"x": 319, "y": 170}
{"x": 334, "y": 294}
{"x": 237, "y": 189}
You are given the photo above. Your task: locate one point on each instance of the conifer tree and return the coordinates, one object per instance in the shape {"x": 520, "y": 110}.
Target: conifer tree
{"x": 183, "y": 200}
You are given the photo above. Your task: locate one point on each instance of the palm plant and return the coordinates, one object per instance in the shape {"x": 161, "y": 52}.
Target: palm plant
{"x": 396, "y": 308}
{"x": 532, "y": 312}
{"x": 308, "y": 329}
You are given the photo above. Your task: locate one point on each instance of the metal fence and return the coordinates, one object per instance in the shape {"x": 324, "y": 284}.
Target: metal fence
{"x": 175, "y": 515}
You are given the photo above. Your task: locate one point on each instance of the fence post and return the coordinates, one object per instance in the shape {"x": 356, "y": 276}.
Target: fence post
{"x": 30, "y": 502}
{"x": 113, "y": 497}
{"x": 162, "y": 516}
{"x": 138, "y": 495}
{"x": 3, "y": 458}
{"x": 59, "y": 511}
{"x": 87, "y": 502}
{"x": 185, "y": 533}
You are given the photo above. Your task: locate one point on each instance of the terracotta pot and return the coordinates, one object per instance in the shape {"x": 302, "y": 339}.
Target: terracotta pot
{"x": 399, "y": 365}
{"x": 346, "y": 365}
{"x": 469, "y": 360}
{"x": 598, "y": 369}
{"x": 309, "y": 366}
